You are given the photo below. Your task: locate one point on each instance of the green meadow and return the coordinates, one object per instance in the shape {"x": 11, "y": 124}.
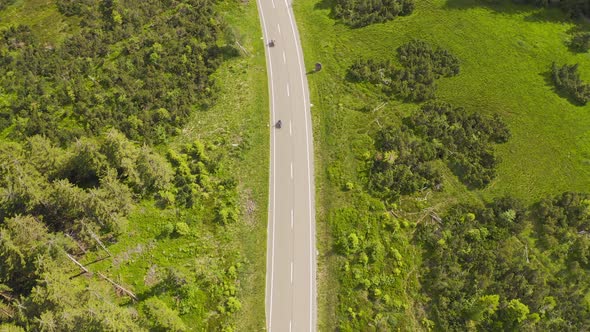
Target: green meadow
{"x": 505, "y": 50}
{"x": 42, "y": 16}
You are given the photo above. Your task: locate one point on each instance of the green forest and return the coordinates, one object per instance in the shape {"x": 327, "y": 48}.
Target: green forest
{"x": 114, "y": 216}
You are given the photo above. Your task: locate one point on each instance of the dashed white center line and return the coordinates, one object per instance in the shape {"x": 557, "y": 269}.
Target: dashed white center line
{"x": 278, "y": 27}
{"x": 288, "y": 91}
{"x": 291, "y": 171}
{"x": 290, "y": 128}
{"x": 290, "y": 326}
{"x": 284, "y": 57}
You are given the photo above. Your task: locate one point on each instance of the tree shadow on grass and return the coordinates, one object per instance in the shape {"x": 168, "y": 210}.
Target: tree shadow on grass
{"x": 553, "y": 15}
{"x": 536, "y": 14}
{"x": 171, "y": 282}
{"x": 229, "y": 51}
{"x": 329, "y": 5}
{"x": 548, "y": 78}
{"x": 501, "y": 6}
{"x": 325, "y": 4}
{"x": 460, "y": 172}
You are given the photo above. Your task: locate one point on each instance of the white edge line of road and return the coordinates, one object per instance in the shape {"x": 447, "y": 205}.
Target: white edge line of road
{"x": 272, "y": 161}
{"x": 305, "y": 105}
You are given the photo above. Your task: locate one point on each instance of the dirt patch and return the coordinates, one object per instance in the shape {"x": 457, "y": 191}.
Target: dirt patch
{"x": 152, "y": 276}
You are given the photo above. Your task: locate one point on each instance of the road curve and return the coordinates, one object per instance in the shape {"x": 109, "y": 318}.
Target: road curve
{"x": 291, "y": 253}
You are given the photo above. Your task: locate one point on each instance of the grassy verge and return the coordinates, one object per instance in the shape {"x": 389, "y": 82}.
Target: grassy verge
{"x": 505, "y": 50}
{"x": 240, "y": 115}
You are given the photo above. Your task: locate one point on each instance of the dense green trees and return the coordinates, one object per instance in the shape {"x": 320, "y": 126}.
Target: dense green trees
{"x": 359, "y": 13}
{"x": 421, "y": 65}
{"x": 563, "y": 224}
{"x": 403, "y": 164}
{"x": 86, "y": 191}
{"x": 581, "y": 42}
{"x": 495, "y": 266}
{"x": 36, "y": 291}
{"x": 113, "y": 71}
{"x": 438, "y": 131}
{"x": 467, "y": 138}
{"x": 482, "y": 272}
{"x": 575, "y": 8}
{"x": 567, "y": 79}
{"x": 79, "y": 189}
{"x": 79, "y": 121}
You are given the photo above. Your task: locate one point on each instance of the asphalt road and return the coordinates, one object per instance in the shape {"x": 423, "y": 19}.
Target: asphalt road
{"x": 291, "y": 257}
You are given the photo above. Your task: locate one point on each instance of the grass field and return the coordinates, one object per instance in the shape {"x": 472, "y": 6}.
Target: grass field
{"x": 42, "y": 17}
{"x": 505, "y": 51}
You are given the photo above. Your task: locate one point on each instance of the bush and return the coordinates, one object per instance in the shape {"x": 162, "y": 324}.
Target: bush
{"x": 418, "y": 53}
{"x": 233, "y": 305}
{"x": 167, "y": 229}
{"x": 402, "y": 176}
{"x": 359, "y": 13}
{"x": 404, "y": 160}
{"x": 160, "y": 317}
{"x": 581, "y": 42}
{"x": 415, "y": 80}
{"x": 465, "y": 139}
{"x": 567, "y": 79}
{"x": 364, "y": 245}
{"x": 349, "y": 186}
{"x": 165, "y": 199}
{"x": 181, "y": 229}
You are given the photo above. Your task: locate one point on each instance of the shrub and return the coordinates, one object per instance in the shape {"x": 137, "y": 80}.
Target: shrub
{"x": 581, "y": 42}
{"x": 359, "y": 13}
{"x": 415, "y": 80}
{"x": 181, "y": 229}
{"x": 465, "y": 139}
{"x": 161, "y": 317}
{"x": 165, "y": 198}
{"x": 438, "y": 131}
{"x": 421, "y": 54}
{"x": 167, "y": 229}
{"x": 567, "y": 79}
{"x": 233, "y": 305}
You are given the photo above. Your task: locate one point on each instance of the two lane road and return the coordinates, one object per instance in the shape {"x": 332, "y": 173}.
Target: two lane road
{"x": 291, "y": 257}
